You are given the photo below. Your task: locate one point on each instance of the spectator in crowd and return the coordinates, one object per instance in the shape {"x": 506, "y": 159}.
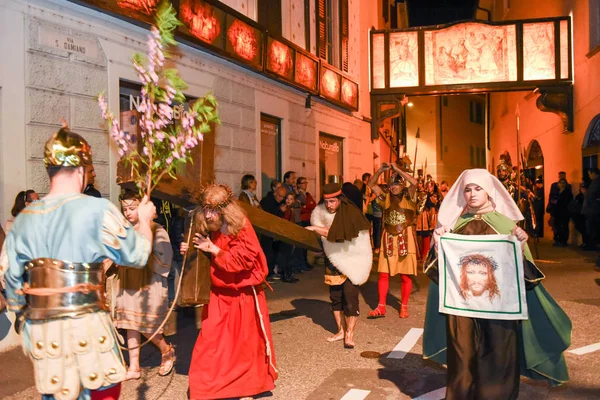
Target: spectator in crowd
{"x": 271, "y": 203}
{"x": 289, "y": 182}
{"x": 560, "y": 214}
{"x": 353, "y": 194}
{"x": 90, "y": 190}
{"x": 591, "y": 209}
{"x": 537, "y": 200}
{"x": 285, "y": 251}
{"x": 575, "y": 211}
{"x": 23, "y": 199}
{"x": 248, "y": 194}
{"x": 307, "y": 204}
{"x": 554, "y": 194}
{"x": 444, "y": 189}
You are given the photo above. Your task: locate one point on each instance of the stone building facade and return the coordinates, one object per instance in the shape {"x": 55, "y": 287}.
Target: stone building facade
{"x": 42, "y": 83}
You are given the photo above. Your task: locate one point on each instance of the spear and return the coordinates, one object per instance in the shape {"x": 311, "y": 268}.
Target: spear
{"x": 417, "y": 137}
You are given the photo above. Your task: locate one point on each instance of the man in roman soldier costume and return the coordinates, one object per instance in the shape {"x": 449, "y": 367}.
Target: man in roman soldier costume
{"x": 399, "y": 247}
{"x": 344, "y": 232}
{"x": 504, "y": 173}
{"x": 55, "y": 277}
{"x": 233, "y": 356}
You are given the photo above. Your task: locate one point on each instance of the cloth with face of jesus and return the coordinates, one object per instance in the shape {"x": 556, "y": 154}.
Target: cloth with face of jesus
{"x": 482, "y": 277}
{"x": 486, "y": 356}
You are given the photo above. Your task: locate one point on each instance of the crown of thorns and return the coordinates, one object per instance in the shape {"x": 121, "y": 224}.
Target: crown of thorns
{"x": 478, "y": 259}
{"x": 217, "y": 206}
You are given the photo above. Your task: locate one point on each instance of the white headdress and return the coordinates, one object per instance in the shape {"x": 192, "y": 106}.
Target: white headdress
{"x": 454, "y": 204}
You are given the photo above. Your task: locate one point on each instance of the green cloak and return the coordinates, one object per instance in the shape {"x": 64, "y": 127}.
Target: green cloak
{"x": 542, "y": 338}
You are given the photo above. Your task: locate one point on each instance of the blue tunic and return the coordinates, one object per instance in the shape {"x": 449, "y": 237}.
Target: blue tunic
{"x": 71, "y": 228}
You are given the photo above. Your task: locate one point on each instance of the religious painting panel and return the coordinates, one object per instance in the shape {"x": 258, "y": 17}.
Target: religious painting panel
{"x": 349, "y": 93}
{"x": 470, "y": 53}
{"x": 141, "y": 10}
{"x": 306, "y": 71}
{"x": 330, "y": 83}
{"x": 378, "y": 61}
{"x": 203, "y": 21}
{"x": 539, "y": 57}
{"x": 564, "y": 49}
{"x": 482, "y": 276}
{"x": 280, "y": 59}
{"x": 243, "y": 41}
{"x": 404, "y": 59}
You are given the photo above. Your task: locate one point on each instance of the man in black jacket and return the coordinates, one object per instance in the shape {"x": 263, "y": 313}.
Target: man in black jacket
{"x": 271, "y": 203}
{"x": 591, "y": 209}
{"x": 90, "y": 190}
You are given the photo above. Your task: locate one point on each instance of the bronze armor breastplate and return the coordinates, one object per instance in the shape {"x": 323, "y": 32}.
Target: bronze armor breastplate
{"x": 396, "y": 218}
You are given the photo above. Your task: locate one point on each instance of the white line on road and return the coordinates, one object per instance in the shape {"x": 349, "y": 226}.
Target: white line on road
{"x": 406, "y": 344}
{"x": 356, "y": 394}
{"x": 587, "y": 349}
{"x": 438, "y": 394}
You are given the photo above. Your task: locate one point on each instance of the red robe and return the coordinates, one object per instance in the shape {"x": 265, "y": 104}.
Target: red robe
{"x": 230, "y": 356}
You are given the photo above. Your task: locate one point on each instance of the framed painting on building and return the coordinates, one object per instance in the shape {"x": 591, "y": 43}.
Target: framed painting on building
{"x": 404, "y": 59}
{"x": 280, "y": 59}
{"x": 244, "y": 41}
{"x": 203, "y": 21}
{"x": 306, "y": 71}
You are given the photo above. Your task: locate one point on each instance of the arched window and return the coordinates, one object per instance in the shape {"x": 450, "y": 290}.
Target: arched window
{"x": 591, "y": 145}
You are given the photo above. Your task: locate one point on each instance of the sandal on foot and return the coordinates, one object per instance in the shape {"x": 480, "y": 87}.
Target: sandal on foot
{"x": 167, "y": 362}
{"x": 379, "y": 312}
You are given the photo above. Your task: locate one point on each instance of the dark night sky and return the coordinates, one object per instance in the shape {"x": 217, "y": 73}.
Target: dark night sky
{"x": 433, "y": 12}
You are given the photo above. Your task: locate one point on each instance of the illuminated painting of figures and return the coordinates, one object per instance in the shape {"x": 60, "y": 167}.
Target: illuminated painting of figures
{"x": 482, "y": 276}
{"x": 330, "y": 84}
{"x": 349, "y": 93}
{"x": 404, "y": 59}
{"x": 378, "y": 52}
{"x": 202, "y": 19}
{"x": 471, "y": 53}
{"x": 244, "y": 41}
{"x": 147, "y": 7}
{"x": 280, "y": 59}
{"x": 538, "y": 51}
{"x": 306, "y": 71}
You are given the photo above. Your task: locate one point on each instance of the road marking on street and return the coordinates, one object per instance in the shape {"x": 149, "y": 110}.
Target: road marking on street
{"x": 406, "y": 344}
{"x": 586, "y": 349}
{"x": 356, "y": 394}
{"x": 438, "y": 394}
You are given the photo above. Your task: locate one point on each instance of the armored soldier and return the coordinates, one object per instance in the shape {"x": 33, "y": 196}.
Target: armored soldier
{"x": 54, "y": 277}
{"x": 399, "y": 247}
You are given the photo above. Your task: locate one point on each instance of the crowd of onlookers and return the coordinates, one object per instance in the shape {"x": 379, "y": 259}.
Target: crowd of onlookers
{"x": 290, "y": 200}
{"x": 583, "y": 209}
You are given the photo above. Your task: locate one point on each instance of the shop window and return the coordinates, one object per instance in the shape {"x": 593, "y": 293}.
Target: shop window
{"x": 331, "y": 159}
{"x": 332, "y": 32}
{"x": 270, "y": 151}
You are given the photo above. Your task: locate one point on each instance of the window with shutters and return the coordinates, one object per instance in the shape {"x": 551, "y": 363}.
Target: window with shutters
{"x": 269, "y": 15}
{"x": 332, "y": 32}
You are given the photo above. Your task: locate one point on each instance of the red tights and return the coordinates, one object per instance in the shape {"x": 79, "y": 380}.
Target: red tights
{"x": 383, "y": 285}
{"x": 425, "y": 247}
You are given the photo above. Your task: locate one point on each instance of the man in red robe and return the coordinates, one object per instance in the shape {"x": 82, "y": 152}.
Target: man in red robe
{"x": 233, "y": 356}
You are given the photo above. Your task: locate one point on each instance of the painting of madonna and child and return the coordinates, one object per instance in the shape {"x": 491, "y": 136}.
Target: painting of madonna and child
{"x": 482, "y": 277}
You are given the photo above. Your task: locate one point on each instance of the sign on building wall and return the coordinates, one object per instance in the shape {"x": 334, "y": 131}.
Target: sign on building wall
{"x": 472, "y": 56}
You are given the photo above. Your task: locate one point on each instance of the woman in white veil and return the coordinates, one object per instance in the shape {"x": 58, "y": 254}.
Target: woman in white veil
{"x": 486, "y": 357}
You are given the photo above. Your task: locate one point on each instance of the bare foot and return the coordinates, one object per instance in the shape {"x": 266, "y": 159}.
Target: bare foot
{"x": 337, "y": 337}
{"x": 133, "y": 375}
{"x": 349, "y": 340}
